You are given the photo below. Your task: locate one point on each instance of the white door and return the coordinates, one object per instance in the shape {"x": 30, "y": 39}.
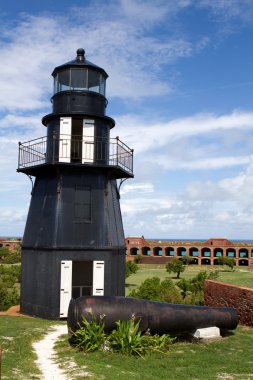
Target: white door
{"x": 98, "y": 278}
{"x": 88, "y": 141}
{"x": 65, "y": 139}
{"x": 66, "y": 287}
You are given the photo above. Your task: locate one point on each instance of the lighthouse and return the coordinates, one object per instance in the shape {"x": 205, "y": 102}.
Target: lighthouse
{"x": 73, "y": 244}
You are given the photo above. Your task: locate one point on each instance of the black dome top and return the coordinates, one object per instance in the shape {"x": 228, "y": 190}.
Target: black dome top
{"x": 79, "y": 61}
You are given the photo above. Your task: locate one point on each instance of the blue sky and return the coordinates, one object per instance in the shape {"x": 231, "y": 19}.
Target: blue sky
{"x": 180, "y": 89}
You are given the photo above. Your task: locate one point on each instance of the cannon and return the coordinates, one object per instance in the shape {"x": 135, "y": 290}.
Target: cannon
{"x": 158, "y": 317}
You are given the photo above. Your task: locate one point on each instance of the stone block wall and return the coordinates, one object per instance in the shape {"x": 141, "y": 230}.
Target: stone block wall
{"x": 223, "y": 294}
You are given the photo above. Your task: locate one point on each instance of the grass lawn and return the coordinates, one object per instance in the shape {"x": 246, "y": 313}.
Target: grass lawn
{"x": 241, "y": 276}
{"x": 16, "y": 337}
{"x": 228, "y": 358}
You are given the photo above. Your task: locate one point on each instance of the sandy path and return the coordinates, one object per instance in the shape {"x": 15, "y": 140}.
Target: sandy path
{"x": 45, "y": 352}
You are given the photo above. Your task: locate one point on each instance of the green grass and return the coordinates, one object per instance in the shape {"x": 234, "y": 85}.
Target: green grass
{"x": 228, "y": 358}
{"x": 16, "y": 337}
{"x": 241, "y": 276}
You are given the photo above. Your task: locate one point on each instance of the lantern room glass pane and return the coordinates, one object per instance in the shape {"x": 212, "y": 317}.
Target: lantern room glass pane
{"x": 82, "y": 79}
{"x": 93, "y": 81}
{"x": 63, "y": 80}
{"x": 102, "y": 85}
{"x": 78, "y": 79}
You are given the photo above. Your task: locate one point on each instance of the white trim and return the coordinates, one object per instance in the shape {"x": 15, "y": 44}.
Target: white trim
{"x": 66, "y": 287}
{"x": 88, "y": 141}
{"x": 98, "y": 278}
{"x": 65, "y": 139}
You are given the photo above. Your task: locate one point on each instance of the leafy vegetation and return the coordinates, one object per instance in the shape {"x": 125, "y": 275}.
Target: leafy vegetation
{"x": 9, "y": 293}
{"x": 185, "y": 360}
{"x": 90, "y": 336}
{"x": 131, "y": 268}
{"x": 10, "y": 257}
{"x": 156, "y": 290}
{"x": 186, "y": 260}
{"x": 241, "y": 276}
{"x": 224, "y": 260}
{"x": 175, "y": 266}
{"x": 126, "y": 338}
{"x": 185, "y": 291}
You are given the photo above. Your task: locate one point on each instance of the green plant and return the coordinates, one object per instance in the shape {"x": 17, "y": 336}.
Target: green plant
{"x": 175, "y": 266}
{"x": 10, "y": 257}
{"x": 187, "y": 259}
{"x": 157, "y": 342}
{"x": 127, "y": 338}
{"x": 156, "y": 290}
{"x": 90, "y": 336}
{"x": 229, "y": 261}
{"x": 131, "y": 268}
{"x": 9, "y": 276}
{"x": 137, "y": 259}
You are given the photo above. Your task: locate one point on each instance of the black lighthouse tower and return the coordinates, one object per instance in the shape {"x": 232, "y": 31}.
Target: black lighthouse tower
{"x": 73, "y": 243}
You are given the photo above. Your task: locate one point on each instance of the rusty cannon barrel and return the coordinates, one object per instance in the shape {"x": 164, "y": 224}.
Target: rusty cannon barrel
{"x": 159, "y": 317}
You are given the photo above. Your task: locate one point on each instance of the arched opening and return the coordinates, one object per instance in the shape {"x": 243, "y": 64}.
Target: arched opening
{"x": 252, "y": 253}
{"x": 158, "y": 251}
{"x": 134, "y": 251}
{"x": 1, "y": 245}
{"x": 243, "y": 252}
{"x": 216, "y": 262}
{"x": 181, "y": 251}
{"x": 194, "y": 261}
{"x": 169, "y": 251}
{"x": 218, "y": 252}
{"x": 205, "y": 252}
{"x": 194, "y": 252}
{"x": 145, "y": 251}
{"x": 230, "y": 252}
{"x": 243, "y": 262}
{"x": 126, "y": 252}
{"x": 205, "y": 261}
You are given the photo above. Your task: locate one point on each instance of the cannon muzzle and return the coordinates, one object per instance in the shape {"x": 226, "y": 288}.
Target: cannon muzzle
{"x": 159, "y": 317}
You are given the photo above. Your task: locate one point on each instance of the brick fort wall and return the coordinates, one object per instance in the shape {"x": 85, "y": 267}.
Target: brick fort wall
{"x": 222, "y": 294}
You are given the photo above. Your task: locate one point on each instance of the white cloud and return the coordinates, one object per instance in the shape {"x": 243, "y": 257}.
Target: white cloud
{"x": 138, "y": 188}
{"x": 113, "y": 37}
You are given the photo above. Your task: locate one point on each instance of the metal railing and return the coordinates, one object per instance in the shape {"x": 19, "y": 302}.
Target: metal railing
{"x": 76, "y": 150}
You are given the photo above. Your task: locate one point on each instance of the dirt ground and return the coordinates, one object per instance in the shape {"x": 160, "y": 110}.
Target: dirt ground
{"x": 14, "y": 311}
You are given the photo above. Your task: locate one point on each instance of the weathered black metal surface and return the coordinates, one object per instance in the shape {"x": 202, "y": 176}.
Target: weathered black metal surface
{"x": 79, "y": 61}
{"x": 74, "y": 213}
{"x": 159, "y": 317}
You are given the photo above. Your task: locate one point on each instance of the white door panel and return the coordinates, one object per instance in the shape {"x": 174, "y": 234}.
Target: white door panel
{"x": 88, "y": 141}
{"x": 66, "y": 287}
{"x": 65, "y": 139}
{"x": 98, "y": 278}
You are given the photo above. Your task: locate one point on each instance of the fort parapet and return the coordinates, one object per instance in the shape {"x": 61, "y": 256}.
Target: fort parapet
{"x": 202, "y": 252}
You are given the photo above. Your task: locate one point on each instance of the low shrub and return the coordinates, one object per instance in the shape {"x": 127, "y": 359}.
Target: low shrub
{"x": 10, "y": 257}
{"x": 131, "y": 268}
{"x": 182, "y": 292}
{"x": 156, "y": 290}
{"x": 90, "y": 336}
{"x": 126, "y": 338}
{"x": 9, "y": 277}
